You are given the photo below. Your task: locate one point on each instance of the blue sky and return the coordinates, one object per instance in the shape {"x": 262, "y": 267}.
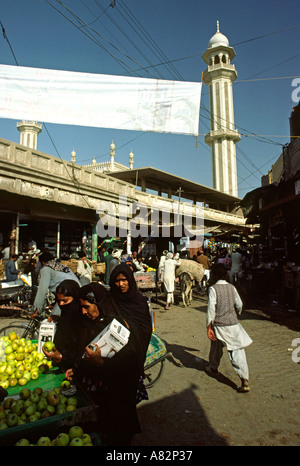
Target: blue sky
{"x": 265, "y": 36}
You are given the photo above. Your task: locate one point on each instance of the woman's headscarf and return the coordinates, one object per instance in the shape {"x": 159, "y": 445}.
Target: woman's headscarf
{"x": 70, "y": 321}
{"x": 97, "y": 294}
{"x": 134, "y": 307}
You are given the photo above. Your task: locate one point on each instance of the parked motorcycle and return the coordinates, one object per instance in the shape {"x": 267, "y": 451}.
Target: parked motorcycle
{"x": 17, "y": 291}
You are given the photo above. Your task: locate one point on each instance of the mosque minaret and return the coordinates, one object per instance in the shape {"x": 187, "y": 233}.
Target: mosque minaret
{"x": 222, "y": 137}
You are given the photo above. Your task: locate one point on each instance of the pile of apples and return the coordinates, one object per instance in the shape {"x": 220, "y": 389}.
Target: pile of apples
{"x": 33, "y": 405}
{"x": 76, "y": 437}
{"x": 20, "y": 361}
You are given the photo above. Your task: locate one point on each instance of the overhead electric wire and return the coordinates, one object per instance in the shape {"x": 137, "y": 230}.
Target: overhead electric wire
{"x": 121, "y": 62}
{"x": 126, "y": 36}
{"x": 149, "y": 38}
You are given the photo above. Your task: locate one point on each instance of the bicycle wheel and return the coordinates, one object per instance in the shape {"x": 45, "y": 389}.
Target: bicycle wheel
{"x": 153, "y": 373}
{"x": 23, "y": 330}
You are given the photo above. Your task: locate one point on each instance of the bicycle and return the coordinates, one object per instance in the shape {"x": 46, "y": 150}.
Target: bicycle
{"x": 28, "y": 330}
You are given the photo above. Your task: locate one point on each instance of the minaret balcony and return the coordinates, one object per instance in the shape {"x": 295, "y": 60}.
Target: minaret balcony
{"x": 223, "y": 134}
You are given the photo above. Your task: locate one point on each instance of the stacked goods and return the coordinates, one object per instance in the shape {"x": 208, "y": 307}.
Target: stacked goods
{"x": 32, "y": 405}
{"x": 75, "y": 437}
{"x": 195, "y": 269}
{"x": 20, "y": 361}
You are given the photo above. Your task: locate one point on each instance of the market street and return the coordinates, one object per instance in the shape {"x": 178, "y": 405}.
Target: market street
{"x": 187, "y": 407}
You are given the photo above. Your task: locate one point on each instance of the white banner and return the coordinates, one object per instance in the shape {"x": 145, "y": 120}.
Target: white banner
{"x": 105, "y": 101}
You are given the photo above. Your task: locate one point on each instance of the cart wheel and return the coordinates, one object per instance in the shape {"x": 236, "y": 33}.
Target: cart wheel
{"x": 153, "y": 373}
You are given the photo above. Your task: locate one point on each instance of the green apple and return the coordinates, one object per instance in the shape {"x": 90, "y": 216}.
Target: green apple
{"x": 9, "y": 349}
{"x": 30, "y": 410}
{"x": 8, "y": 402}
{"x": 75, "y": 432}
{"x": 27, "y": 367}
{"x": 63, "y": 400}
{"x": 60, "y": 409}
{"x": 13, "y": 382}
{"x": 51, "y": 409}
{"x": 27, "y": 402}
{"x": 65, "y": 385}
{"x": 53, "y": 400}
{"x": 18, "y": 407}
{"x": 86, "y": 438}
{"x": 37, "y": 391}
{"x": 15, "y": 345}
{"x": 43, "y": 368}
{"x": 41, "y": 406}
{"x": 44, "y": 442}
{"x": 4, "y": 376}
{"x": 23, "y": 442}
{"x": 46, "y": 414}
{"x": 70, "y": 408}
{"x": 29, "y": 359}
{"x": 20, "y": 356}
{"x": 3, "y": 367}
{"x": 76, "y": 442}
{"x": 34, "y": 417}
{"x": 34, "y": 374}
{"x": 27, "y": 375}
{"x": 72, "y": 401}
{"x": 39, "y": 356}
{"x": 25, "y": 393}
{"x": 10, "y": 369}
{"x": 4, "y": 384}
{"x": 34, "y": 397}
{"x": 2, "y": 413}
{"x": 12, "y": 336}
{"x": 48, "y": 346}
{"x": 10, "y": 357}
{"x": 3, "y": 426}
{"x": 62, "y": 440}
{"x": 21, "y": 349}
{"x": 19, "y": 373}
{"x": 12, "y": 420}
{"x": 22, "y": 381}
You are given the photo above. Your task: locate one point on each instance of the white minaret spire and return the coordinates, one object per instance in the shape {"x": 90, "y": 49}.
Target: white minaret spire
{"x": 112, "y": 156}
{"x": 222, "y": 137}
{"x": 29, "y": 131}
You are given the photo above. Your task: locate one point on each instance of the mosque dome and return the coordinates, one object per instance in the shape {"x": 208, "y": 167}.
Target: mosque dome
{"x": 218, "y": 39}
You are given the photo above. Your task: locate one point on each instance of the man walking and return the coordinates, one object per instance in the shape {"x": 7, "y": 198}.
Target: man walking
{"x": 223, "y": 328}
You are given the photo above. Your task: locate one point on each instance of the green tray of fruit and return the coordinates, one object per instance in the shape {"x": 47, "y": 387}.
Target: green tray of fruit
{"x": 42, "y": 410}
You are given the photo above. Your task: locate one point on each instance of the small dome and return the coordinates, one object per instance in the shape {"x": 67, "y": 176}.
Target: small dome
{"x": 218, "y": 39}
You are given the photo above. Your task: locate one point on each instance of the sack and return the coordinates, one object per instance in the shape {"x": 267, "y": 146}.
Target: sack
{"x": 141, "y": 393}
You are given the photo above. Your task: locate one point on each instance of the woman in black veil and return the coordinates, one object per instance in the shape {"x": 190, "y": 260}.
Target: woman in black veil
{"x": 114, "y": 382}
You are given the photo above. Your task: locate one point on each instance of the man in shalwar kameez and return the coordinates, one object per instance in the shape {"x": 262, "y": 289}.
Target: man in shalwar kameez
{"x": 223, "y": 328}
{"x": 169, "y": 267}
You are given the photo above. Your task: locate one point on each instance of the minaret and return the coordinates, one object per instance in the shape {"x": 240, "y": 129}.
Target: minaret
{"x": 112, "y": 156}
{"x": 222, "y": 137}
{"x": 29, "y": 131}
{"x": 131, "y": 159}
{"x": 73, "y": 156}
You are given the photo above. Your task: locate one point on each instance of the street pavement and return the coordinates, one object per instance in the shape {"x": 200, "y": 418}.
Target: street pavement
{"x": 187, "y": 407}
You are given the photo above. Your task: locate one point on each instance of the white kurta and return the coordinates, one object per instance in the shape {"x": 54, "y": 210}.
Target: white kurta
{"x": 169, "y": 274}
{"x": 233, "y": 336}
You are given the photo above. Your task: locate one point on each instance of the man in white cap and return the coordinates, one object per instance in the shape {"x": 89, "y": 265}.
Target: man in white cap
{"x": 116, "y": 260}
{"x": 170, "y": 265}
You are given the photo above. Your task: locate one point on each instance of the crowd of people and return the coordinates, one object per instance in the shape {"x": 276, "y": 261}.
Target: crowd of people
{"x": 83, "y": 308}
{"x": 113, "y": 383}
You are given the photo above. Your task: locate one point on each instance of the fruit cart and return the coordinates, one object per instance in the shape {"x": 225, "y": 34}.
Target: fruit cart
{"x": 56, "y": 420}
{"x": 146, "y": 281}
